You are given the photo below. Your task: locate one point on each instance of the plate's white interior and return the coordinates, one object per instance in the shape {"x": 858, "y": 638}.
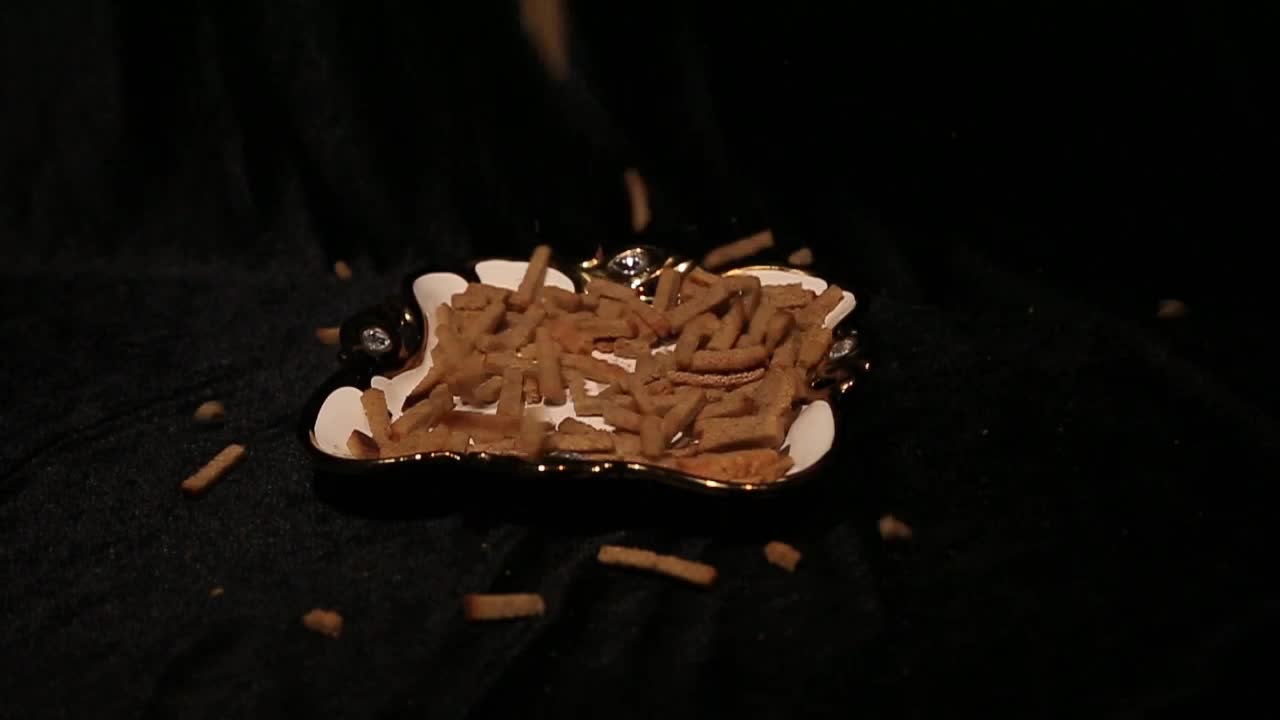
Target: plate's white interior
{"x": 809, "y": 438}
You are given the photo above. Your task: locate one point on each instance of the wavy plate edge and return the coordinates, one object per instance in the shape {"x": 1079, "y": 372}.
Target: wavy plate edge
{"x": 400, "y": 320}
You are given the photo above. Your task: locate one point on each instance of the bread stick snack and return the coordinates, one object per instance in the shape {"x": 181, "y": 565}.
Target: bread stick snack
{"x": 742, "y": 284}
{"x": 695, "y": 573}
{"x": 706, "y": 302}
{"x": 782, "y": 555}
{"x": 459, "y": 442}
{"x": 632, "y": 348}
{"x": 752, "y": 431}
{"x": 361, "y": 446}
{"x": 638, "y": 194}
{"x": 374, "y": 402}
{"x": 594, "y": 369}
{"x": 736, "y": 360}
{"x": 466, "y": 377}
{"x": 893, "y": 529}
{"x": 784, "y": 356}
{"x": 599, "y": 441}
{"x": 522, "y": 332}
{"x": 423, "y": 440}
{"x": 511, "y": 397}
{"x": 789, "y": 297}
{"x": 731, "y": 406}
{"x": 700, "y": 276}
{"x": 738, "y": 249}
{"x": 668, "y": 282}
{"x": 652, "y": 441}
{"x": 483, "y": 607}
{"x": 761, "y": 465}
{"x": 616, "y": 300}
{"x": 534, "y": 276}
{"x": 730, "y": 328}
{"x": 425, "y": 414}
{"x": 574, "y": 426}
{"x": 436, "y": 375}
{"x": 715, "y": 380}
{"x": 212, "y": 472}
{"x": 815, "y": 313}
{"x": 485, "y": 427}
{"x": 533, "y": 437}
{"x": 681, "y": 415}
{"x": 210, "y": 413}
{"x": 584, "y": 404}
{"x": 488, "y": 391}
{"x": 758, "y": 326}
{"x": 342, "y": 270}
{"x": 622, "y": 418}
{"x": 696, "y": 332}
{"x": 812, "y": 345}
{"x": 779, "y": 328}
{"x": 325, "y": 622}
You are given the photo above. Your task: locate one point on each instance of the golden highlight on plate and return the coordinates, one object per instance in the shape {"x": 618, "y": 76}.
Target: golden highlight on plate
{"x": 721, "y": 367}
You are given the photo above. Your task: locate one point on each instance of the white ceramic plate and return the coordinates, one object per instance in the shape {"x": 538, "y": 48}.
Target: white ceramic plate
{"x": 809, "y": 439}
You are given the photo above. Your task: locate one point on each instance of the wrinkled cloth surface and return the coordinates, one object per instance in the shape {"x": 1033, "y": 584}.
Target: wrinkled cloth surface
{"x": 1084, "y": 481}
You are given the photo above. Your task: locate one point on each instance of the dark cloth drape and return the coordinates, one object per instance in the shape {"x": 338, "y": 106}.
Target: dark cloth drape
{"x": 1008, "y": 190}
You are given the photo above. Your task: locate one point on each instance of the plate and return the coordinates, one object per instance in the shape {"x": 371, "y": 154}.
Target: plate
{"x": 377, "y": 343}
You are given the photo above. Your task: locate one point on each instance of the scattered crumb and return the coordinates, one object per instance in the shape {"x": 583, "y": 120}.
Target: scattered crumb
{"x": 216, "y": 591}
{"x": 738, "y": 250}
{"x": 1171, "y": 309}
{"x": 210, "y": 412}
{"x": 327, "y": 335}
{"x": 891, "y": 528}
{"x": 481, "y": 606}
{"x": 325, "y": 622}
{"x": 692, "y": 572}
{"x": 801, "y": 258}
{"x": 782, "y": 555}
{"x": 342, "y": 270}
{"x": 212, "y": 472}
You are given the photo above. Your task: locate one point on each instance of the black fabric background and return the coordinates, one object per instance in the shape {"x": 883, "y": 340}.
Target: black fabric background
{"x": 1008, "y": 190}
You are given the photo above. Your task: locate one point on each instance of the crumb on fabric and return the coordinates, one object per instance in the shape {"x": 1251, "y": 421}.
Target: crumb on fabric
{"x": 891, "y": 528}
{"x": 481, "y": 607}
{"x": 212, "y": 472}
{"x": 216, "y": 591}
{"x": 782, "y": 555}
{"x": 325, "y": 622}
{"x": 738, "y": 250}
{"x": 692, "y": 572}
{"x": 342, "y": 270}
{"x": 210, "y": 412}
{"x": 328, "y": 335}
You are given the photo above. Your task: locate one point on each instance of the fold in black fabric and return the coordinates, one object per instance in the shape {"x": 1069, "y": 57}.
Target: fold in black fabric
{"x": 1008, "y": 192}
